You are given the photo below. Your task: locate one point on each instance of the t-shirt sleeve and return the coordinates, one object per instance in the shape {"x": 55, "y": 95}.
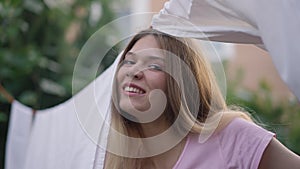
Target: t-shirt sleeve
{"x": 243, "y": 144}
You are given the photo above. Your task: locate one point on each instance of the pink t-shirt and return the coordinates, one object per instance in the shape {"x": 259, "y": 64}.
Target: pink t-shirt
{"x": 239, "y": 145}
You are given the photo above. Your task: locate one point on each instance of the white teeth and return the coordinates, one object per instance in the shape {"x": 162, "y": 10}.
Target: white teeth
{"x": 133, "y": 89}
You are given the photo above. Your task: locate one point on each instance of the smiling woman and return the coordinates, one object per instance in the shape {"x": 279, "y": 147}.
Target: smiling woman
{"x": 168, "y": 112}
{"x": 139, "y": 74}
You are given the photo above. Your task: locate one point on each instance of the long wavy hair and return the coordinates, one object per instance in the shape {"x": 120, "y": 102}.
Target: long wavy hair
{"x": 193, "y": 96}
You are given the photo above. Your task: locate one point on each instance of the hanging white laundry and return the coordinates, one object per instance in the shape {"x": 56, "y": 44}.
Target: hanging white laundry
{"x": 273, "y": 25}
{"x": 65, "y": 136}
{"x": 18, "y": 135}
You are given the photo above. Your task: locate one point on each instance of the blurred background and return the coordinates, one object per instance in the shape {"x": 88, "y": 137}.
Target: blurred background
{"x": 41, "y": 40}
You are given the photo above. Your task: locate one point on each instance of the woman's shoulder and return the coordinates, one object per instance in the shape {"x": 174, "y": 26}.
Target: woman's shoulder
{"x": 243, "y": 142}
{"x": 238, "y": 130}
{"x": 243, "y": 133}
{"x": 241, "y": 127}
{"x": 239, "y": 144}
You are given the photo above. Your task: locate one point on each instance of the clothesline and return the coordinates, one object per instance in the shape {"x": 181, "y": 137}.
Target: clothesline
{"x": 9, "y": 98}
{"x": 6, "y": 94}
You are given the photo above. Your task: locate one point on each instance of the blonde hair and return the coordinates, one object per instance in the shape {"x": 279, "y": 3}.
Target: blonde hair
{"x": 180, "y": 103}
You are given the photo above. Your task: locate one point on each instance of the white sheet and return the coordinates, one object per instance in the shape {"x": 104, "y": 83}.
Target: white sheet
{"x": 273, "y": 25}
{"x": 18, "y": 135}
{"x": 64, "y": 136}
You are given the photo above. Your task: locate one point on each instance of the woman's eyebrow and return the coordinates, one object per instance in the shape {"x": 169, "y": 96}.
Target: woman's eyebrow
{"x": 153, "y": 57}
{"x": 131, "y": 53}
{"x": 148, "y": 57}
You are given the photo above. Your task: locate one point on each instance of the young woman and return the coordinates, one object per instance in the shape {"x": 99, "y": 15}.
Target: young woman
{"x": 167, "y": 112}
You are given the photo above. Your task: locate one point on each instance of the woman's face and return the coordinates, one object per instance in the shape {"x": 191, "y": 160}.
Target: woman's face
{"x": 141, "y": 71}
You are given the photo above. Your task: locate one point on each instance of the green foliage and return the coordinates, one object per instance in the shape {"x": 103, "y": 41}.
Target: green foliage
{"x": 280, "y": 117}
{"x": 40, "y": 42}
{"x": 36, "y": 48}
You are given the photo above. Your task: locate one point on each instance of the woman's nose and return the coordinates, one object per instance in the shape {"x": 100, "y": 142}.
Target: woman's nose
{"x": 135, "y": 73}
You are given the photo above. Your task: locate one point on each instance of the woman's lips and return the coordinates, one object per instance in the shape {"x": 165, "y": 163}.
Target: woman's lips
{"x": 133, "y": 90}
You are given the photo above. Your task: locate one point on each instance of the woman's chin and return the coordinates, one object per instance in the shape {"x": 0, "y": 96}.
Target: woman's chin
{"x": 132, "y": 108}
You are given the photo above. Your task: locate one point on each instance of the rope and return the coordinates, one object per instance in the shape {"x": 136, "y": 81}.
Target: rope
{"x": 6, "y": 95}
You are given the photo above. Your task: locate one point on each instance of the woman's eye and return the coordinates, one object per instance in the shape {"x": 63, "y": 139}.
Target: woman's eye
{"x": 155, "y": 67}
{"x": 128, "y": 62}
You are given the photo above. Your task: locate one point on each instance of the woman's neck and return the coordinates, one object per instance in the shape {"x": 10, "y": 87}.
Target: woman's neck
{"x": 154, "y": 128}
{"x": 168, "y": 159}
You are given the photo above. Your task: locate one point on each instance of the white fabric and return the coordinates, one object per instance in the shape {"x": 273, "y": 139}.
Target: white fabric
{"x": 18, "y": 135}
{"x": 273, "y": 24}
{"x": 64, "y": 136}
